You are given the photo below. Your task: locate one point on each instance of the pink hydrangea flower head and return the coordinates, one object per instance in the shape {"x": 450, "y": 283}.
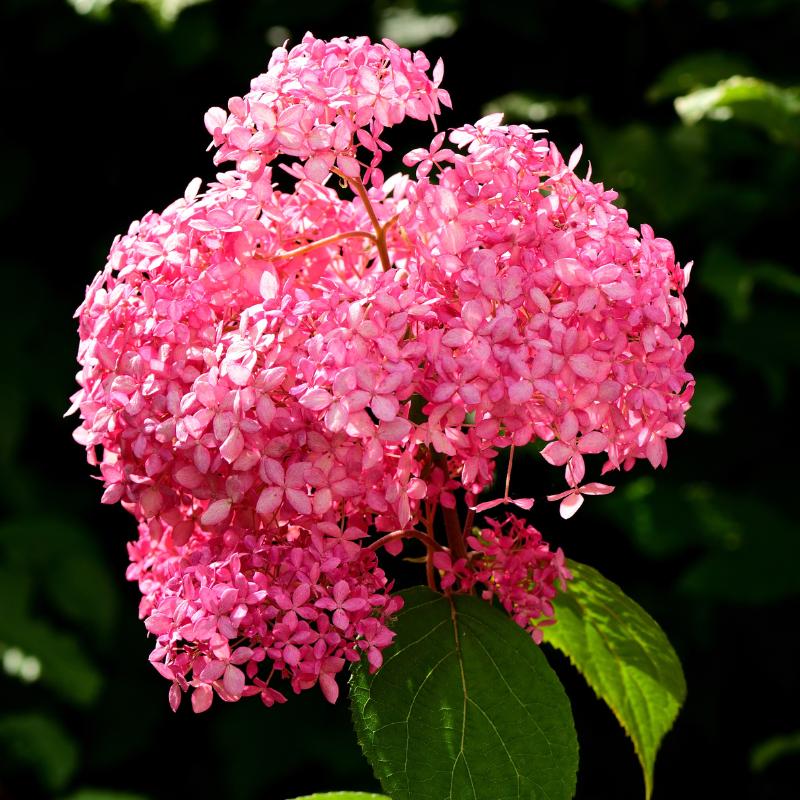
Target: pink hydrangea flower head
{"x": 268, "y": 377}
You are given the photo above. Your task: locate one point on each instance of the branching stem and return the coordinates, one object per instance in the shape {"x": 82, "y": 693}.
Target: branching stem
{"x": 380, "y": 230}
{"x": 408, "y": 533}
{"x": 322, "y": 243}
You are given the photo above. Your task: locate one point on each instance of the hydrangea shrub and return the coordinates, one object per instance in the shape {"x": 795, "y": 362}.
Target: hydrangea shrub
{"x": 277, "y": 385}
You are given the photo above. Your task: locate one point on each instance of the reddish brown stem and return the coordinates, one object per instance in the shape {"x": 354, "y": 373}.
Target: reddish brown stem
{"x": 429, "y": 570}
{"x": 452, "y": 525}
{"x": 409, "y": 533}
{"x": 380, "y": 231}
{"x": 381, "y": 242}
{"x": 322, "y": 243}
{"x": 468, "y": 523}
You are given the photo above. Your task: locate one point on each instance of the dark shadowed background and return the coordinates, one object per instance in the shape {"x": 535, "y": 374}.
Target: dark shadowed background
{"x": 103, "y": 104}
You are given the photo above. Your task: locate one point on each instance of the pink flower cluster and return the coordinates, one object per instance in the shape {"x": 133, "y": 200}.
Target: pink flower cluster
{"x": 513, "y": 564}
{"x": 307, "y": 601}
{"x": 271, "y": 376}
{"x": 323, "y": 100}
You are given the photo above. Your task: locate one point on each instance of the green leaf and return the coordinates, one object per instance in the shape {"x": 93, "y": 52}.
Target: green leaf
{"x": 104, "y": 794}
{"x": 38, "y": 743}
{"x": 624, "y": 656}
{"x": 774, "y": 748}
{"x": 625, "y": 5}
{"x": 65, "y": 668}
{"x": 696, "y": 71}
{"x": 344, "y": 796}
{"x": 164, "y": 12}
{"x": 465, "y": 706}
{"x": 527, "y": 107}
{"x": 710, "y": 397}
{"x": 83, "y": 588}
{"x": 751, "y": 100}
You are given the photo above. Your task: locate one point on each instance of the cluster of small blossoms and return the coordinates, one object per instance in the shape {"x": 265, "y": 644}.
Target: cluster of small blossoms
{"x": 305, "y": 602}
{"x": 557, "y": 319}
{"x": 323, "y": 100}
{"x": 263, "y": 369}
{"x": 513, "y": 564}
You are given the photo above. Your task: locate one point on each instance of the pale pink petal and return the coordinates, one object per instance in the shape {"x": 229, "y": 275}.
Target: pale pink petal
{"x": 570, "y": 505}
{"x": 525, "y": 503}
{"x": 336, "y": 417}
{"x": 618, "y": 291}
{"x": 583, "y": 365}
{"x": 299, "y": 500}
{"x": 238, "y": 374}
{"x": 348, "y": 166}
{"x": 557, "y": 453}
{"x": 485, "y": 506}
{"x": 213, "y": 671}
{"x": 232, "y": 447}
{"x": 269, "y": 500}
{"x": 268, "y": 286}
{"x": 318, "y": 167}
{"x": 151, "y": 502}
{"x": 316, "y": 399}
{"x": 655, "y": 451}
{"x": 594, "y": 442}
{"x": 596, "y": 488}
{"x": 201, "y": 699}
{"x": 296, "y": 474}
{"x": 330, "y": 688}
{"x": 233, "y": 681}
{"x": 175, "y": 696}
{"x": 217, "y": 512}
{"x": 457, "y": 337}
{"x": 273, "y": 471}
{"x": 323, "y": 500}
{"x": 385, "y": 407}
{"x": 189, "y": 477}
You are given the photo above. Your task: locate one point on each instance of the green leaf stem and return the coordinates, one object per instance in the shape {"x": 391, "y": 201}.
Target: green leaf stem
{"x": 465, "y": 707}
{"x": 624, "y": 656}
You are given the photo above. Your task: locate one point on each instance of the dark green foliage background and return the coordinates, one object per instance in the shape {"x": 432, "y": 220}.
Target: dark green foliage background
{"x": 103, "y": 121}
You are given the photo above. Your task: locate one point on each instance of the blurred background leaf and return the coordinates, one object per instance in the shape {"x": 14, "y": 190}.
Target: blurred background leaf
{"x": 103, "y": 794}
{"x": 764, "y": 754}
{"x": 37, "y": 742}
{"x": 750, "y": 100}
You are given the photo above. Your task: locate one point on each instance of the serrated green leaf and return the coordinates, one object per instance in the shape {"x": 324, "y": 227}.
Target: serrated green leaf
{"x": 343, "y": 796}
{"x": 770, "y": 107}
{"x": 624, "y": 656}
{"x": 465, "y": 706}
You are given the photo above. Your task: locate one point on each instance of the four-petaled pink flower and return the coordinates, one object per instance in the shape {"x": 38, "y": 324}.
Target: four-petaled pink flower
{"x": 341, "y": 604}
{"x": 572, "y": 499}
{"x": 425, "y": 159}
{"x": 289, "y": 485}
